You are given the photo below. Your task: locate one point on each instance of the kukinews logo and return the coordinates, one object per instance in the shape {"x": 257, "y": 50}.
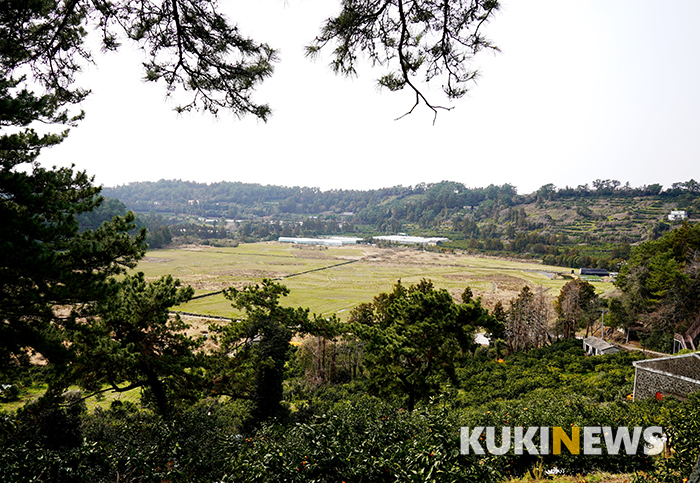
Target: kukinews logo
{"x": 543, "y": 440}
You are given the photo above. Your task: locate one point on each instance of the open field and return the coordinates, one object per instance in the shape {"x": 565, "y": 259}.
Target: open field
{"x": 102, "y": 401}
{"x": 333, "y": 280}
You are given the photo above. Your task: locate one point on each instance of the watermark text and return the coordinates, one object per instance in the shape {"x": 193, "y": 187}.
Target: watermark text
{"x": 543, "y": 440}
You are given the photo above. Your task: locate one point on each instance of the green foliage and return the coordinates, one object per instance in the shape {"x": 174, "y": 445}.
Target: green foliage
{"x": 362, "y": 440}
{"x": 657, "y": 340}
{"x": 46, "y": 261}
{"x": 341, "y": 434}
{"x": 159, "y": 237}
{"x": 134, "y": 341}
{"x": 189, "y": 446}
{"x": 681, "y": 422}
{"x": 104, "y": 211}
{"x": 159, "y": 233}
{"x": 45, "y": 442}
{"x": 660, "y": 284}
{"x": 564, "y": 411}
{"x": 188, "y": 45}
{"x": 254, "y": 351}
{"x": 561, "y": 368}
{"x": 414, "y": 337}
{"x": 125, "y": 444}
{"x": 409, "y": 40}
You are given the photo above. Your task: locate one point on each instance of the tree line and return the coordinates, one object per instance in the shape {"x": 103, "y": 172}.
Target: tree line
{"x": 235, "y": 199}
{"x": 613, "y": 187}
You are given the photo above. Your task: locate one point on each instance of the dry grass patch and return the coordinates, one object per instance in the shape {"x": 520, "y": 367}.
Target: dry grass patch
{"x": 592, "y": 478}
{"x": 252, "y": 273}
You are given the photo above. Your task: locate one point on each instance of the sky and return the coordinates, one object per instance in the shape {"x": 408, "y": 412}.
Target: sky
{"x": 581, "y": 90}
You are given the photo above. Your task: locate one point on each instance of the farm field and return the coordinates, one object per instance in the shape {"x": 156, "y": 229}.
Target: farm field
{"x": 333, "y": 280}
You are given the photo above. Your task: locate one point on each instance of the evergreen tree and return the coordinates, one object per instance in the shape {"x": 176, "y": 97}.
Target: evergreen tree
{"x": 414, "y": 338}
{"x": 134, "y": 342}
{"x": 661, "y": 284}
{"x": 254, "y": 350}
{"x": 45, "y": 261}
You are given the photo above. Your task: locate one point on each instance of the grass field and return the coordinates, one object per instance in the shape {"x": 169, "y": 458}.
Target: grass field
{"x": 333, "y": 280}
{"x": 102, "y": 401}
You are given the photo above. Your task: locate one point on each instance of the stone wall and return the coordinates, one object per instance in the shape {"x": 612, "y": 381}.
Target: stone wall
{"x": 688, "y": 366}
{"x": 678, "y": 375}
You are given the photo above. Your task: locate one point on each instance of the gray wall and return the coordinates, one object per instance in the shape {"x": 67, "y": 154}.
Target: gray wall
{"x": 647, "y": 384}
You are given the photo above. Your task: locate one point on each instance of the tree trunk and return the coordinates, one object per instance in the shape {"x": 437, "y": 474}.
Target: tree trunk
{"x": 411, "y": 400}
{"x": 158, "y": 389}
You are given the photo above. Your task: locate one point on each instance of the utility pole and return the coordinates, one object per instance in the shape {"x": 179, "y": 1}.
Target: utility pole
{"x": 602, "y": 323}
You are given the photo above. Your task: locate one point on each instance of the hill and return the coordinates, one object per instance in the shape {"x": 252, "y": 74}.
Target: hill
{"x": 574, "y": 227}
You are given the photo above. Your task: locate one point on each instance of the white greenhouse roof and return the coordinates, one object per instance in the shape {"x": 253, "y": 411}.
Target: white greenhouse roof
{"x": 411, "y": 240}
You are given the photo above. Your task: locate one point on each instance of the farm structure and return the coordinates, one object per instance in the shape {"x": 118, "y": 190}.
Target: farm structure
{"x": 411, "y": 240}
{"x": 333, "y": 242}
{"x": 600, "y": 272}
{"x": 597, "y": 347}
{"x": 675, "y": 376}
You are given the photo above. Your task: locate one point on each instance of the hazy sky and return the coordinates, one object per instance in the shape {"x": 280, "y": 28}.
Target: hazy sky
{"x": 582, "y": 90}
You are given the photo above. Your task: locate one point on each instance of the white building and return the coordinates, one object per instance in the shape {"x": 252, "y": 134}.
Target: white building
{"x": 677, "y": 215}
{"x": 347, "y": 240}
{"x": 311, "y": 241}
{"x": 411, "y": 240}
{"x": 333, "y": 241}
{"x": 596, "y": 347}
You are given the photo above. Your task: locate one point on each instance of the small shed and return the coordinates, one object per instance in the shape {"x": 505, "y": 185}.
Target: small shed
{"x": 676, "y": 376}
{"x": 597, "y": 347}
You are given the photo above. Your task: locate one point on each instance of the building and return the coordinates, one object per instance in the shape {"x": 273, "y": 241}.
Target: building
{"x": 599, "y": 272}
{"x": 678, "y": 215}
{"x": 311, "y": 241}
{"x": 403, "y": 239}
{"x": 333, "y": 242}
{"x": 675, "y": 376}
{"x": 598, "y": 347}
{"x": 347, "y": 240}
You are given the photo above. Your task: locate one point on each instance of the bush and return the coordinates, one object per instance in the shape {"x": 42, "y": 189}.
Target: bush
{"x": 189, "y": 447}
{"x": 681, "y": 423}
{"x": 547, "y": 409}
{"x": 364, "y": 440}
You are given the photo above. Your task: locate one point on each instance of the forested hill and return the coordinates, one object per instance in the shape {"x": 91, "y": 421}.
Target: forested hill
{"x": 573, "y": 227}
{"x": 426, "y": 204}
{"x": 233, "y": 199}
